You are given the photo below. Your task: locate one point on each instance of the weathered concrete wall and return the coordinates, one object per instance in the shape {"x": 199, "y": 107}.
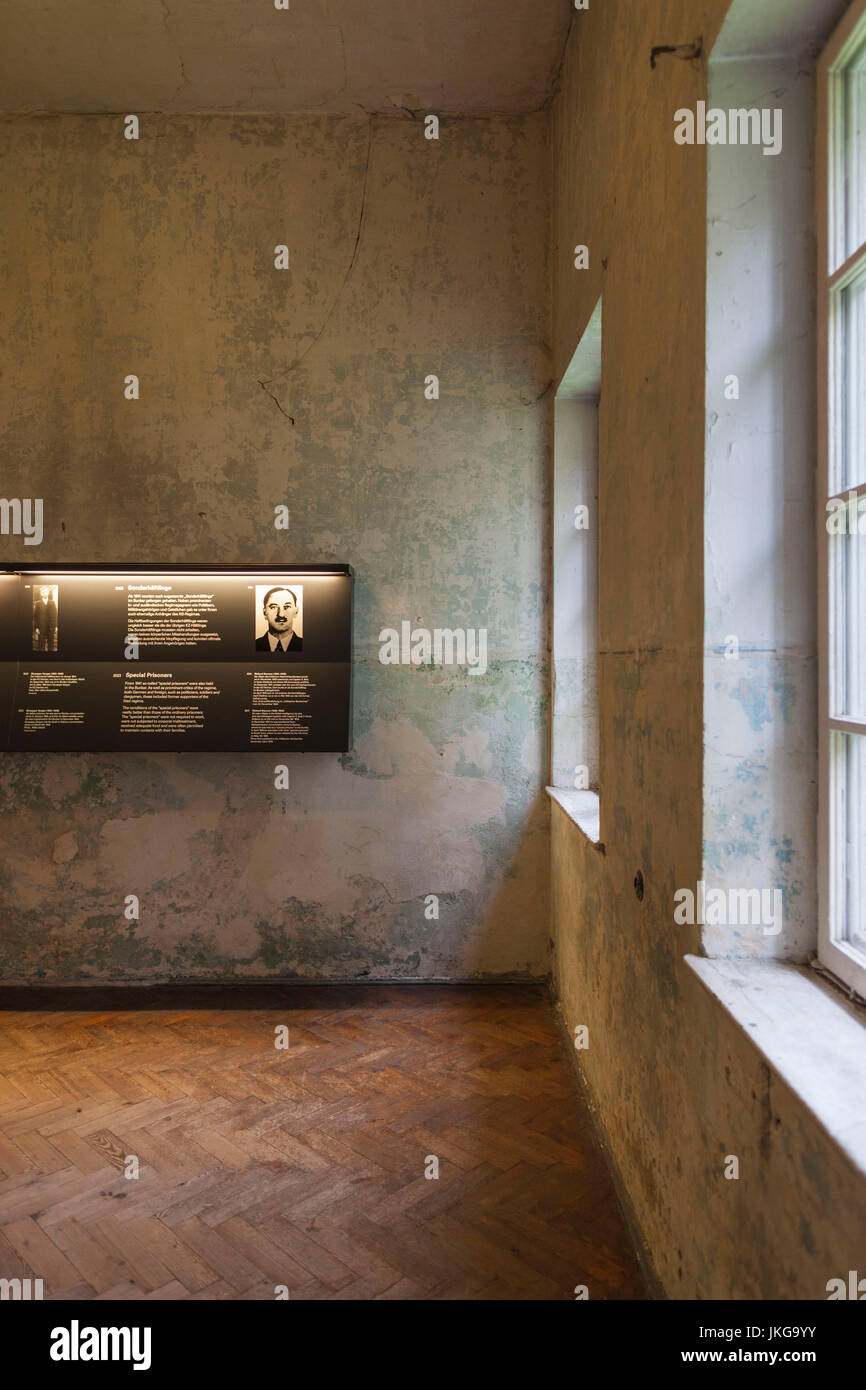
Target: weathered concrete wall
{"x": 677, "y": 1085}
{"x": 408, "y": 257}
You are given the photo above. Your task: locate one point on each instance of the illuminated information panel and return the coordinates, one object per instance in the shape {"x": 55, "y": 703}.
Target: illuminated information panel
{"x": 176, "y": 658}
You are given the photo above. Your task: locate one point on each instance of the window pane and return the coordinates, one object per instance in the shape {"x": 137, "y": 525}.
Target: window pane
{"x": 848, "y": 616}
{"x": 854, "y": 99}
{"x": 849, "y": 853}
{"x": 848, "y": 373}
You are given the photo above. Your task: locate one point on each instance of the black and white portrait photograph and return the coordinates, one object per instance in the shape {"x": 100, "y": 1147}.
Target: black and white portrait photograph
{"x": 45, "y": 618}
{"x": 279, "y": 619}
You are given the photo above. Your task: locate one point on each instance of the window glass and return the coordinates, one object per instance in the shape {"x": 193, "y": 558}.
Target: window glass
{"x": 854, "y": 127}
{"x": 850, "y": 791}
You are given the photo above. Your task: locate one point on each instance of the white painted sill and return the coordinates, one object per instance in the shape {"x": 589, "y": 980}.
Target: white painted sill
{"x": 582, "y": 808}
{"x": 806, "y": 1032}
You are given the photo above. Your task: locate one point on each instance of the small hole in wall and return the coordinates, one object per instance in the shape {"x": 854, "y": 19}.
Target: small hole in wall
{"x": 638, "y": 886}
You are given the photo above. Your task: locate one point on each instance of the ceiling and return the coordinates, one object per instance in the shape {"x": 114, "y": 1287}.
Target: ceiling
{"x": 472, "y": 57}
{"x": 756, "y": 28}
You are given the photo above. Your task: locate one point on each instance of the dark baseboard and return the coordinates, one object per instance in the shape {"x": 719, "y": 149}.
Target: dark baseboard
{"x": 234, "y": 994}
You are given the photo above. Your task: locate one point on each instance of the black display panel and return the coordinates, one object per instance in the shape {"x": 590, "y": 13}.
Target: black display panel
{"x": 152, "y": 660}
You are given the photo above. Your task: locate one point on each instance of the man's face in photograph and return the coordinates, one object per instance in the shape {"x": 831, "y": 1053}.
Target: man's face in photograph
{"x": 280, "y": 611}
{"x": 44, "y": 594}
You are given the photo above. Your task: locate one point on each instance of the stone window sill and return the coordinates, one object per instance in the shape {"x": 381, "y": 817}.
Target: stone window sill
{"x": 582, "y": 807}
{"x": 807, "y": 1033}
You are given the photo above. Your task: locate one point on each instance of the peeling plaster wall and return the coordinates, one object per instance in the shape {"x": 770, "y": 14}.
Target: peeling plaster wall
{"x": 259, "y": 387}
{"x": 677, "y": 1086}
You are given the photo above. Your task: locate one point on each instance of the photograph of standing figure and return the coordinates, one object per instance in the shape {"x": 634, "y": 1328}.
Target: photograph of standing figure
{"x": 45, "y": 618}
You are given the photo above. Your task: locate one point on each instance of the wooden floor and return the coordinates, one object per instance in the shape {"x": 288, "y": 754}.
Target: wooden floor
{"x": 303, "y": 1167}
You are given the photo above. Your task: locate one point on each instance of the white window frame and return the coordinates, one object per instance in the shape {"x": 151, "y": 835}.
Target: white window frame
{"x": 835, "y": 272}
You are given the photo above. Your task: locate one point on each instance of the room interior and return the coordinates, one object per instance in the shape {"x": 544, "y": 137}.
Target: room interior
{"x": 427, "y": 981}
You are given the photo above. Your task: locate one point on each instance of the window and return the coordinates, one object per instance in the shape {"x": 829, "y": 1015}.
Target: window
{"x": 841, "y": 166}
{"x": 575, "y": 571}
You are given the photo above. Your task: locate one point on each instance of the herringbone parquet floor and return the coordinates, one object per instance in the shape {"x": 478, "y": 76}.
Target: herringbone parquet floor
{"x": 304, "y": 1167}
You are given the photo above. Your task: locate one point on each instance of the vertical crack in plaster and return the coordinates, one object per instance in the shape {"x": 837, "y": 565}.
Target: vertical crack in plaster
{"x": 343, "y": 56}
{"x": 361, "y": 216}
{"x": 184, "y": 80}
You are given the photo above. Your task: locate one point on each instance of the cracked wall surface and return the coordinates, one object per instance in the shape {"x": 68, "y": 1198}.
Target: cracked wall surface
{"x": 303, "y": 387}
